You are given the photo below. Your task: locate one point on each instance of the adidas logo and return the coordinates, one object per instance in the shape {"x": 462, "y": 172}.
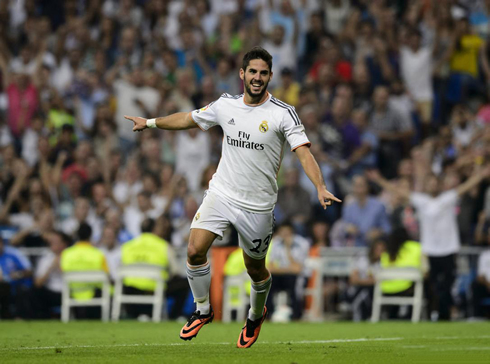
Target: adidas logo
{"x": 231, "y": 122}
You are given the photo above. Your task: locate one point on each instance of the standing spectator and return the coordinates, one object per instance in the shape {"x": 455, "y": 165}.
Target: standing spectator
{"x": 289, "y": 89}
{"x": 226, "y": 79}
{"x": 464, "y": 63}
{"x": 392, "y": 129}
{"x": 416, "y": 71}
{"x": 192, "y": 156}
{"x": 48, "y": 281}
{"x": 282, "y": 51}
{"x": 439, "y": 233}
{"x": 22, "y": 99}
{"x": 365, "y": 216}
{"x": 365, "y": 155}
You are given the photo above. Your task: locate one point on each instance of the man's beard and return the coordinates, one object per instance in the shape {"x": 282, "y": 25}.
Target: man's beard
{"x": 253, "y": 96}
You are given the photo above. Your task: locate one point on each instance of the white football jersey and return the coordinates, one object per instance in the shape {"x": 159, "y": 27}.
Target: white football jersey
{"x": 254, "y": 138}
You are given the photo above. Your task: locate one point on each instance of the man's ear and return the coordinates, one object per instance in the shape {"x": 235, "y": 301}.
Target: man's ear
{"x": 272, "y": 74}
{"x": 242, "y": 74}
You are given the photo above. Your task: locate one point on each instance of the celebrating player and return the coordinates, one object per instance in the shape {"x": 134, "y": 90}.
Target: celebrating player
{"x": 243, "y": 191}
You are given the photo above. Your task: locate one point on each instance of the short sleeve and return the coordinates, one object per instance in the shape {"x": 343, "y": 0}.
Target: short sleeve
{"x": 43, "y": 266}
{"x": 370, "y": 139}
{"x": 293, "y": 130}
{"x": 418, "y": 199}
{"x": 483, "y": 261}
{"x": 206, "y": 117}
{"x": 22, "y": 262}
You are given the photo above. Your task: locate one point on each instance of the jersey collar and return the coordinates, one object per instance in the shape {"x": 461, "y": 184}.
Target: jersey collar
{"x": 262, "y": 103}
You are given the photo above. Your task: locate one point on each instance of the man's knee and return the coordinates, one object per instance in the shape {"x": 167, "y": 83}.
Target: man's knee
{"x": 195, "y": 255}
{"x": 258, "y": 273}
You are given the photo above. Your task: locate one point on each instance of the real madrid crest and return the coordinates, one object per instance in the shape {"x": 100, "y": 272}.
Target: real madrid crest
{"x": 263, "y": 127}
{"x": 198, "y": 215}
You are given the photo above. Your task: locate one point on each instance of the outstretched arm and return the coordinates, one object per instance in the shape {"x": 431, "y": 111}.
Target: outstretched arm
{"x": 375, "y": 177}
{"x": 177, "y": 121}
{"x": 315, "y": 175}
{"x": 473, "y": 181}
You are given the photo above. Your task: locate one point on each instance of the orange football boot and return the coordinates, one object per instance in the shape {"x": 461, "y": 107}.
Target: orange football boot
{"x": 250, "y": 332}
{"x": 195, "y": 323}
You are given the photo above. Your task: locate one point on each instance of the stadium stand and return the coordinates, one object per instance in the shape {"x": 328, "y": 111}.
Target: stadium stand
{"x": 391, "y": 90}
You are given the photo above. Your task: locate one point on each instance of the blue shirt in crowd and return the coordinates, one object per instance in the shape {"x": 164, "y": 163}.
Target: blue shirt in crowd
{"x": 372, "y": 215}
{"x": 12, "y": 260}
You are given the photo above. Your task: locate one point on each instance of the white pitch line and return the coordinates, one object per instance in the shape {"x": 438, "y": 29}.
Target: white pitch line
{"x": 219, "y": 343}
{"x": 333, "y": 341}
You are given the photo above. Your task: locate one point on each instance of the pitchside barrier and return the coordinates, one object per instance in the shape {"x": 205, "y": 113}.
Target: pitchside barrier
{"x": 330, "y": 263}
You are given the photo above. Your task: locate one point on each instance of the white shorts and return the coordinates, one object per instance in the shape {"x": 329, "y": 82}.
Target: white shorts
{"x": 254, "y": 230}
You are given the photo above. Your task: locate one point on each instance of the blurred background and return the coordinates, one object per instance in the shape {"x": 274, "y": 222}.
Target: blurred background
{"x": 391, "y": 93}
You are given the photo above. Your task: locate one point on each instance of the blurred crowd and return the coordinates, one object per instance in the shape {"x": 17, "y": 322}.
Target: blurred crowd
{"x": 394, "y": 96}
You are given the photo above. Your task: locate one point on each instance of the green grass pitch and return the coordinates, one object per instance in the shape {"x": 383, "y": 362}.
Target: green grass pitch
{"x": 124, "y": 342}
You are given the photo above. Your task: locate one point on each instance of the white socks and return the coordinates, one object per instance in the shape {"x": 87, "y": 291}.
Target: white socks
{"x": 258, "y": 298}
{"x": 199, "y": 277}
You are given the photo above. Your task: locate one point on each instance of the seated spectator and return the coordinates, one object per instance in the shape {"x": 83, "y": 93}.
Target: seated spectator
{"x": 400, "y": 252}
{"x": 48, "y": 281}
{"x": 15, "y": 281}
{"x": 294, "y": 202}
{"x": 149, "y": 248}
{"x": 364, "y": 215}
{"x": 361, "y": 281}
{"x": 34, "y": 236}
{"x": 134, "y": 216}
{"x": 113, "y": 219}
{"x": 81, "y": 213}
{"x": 110, "y": 247}
{"x": 286, "y": 259}
{"x": 83, "y": 256}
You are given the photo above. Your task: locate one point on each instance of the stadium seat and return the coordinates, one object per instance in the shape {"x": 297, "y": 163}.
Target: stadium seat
{"x": 235, "y": 297}
{"x": 332, "y": 263}
{"x": 85, "y": 277}
{"x": 148, "y": 271}
{"x": 410, "y": 274}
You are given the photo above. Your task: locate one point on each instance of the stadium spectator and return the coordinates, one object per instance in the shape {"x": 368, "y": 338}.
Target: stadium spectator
{"x": 149, "y": 248}
{"x": 48, "y": 281}
{"x": 69, "y": 74}
{"x": 109, "y": 245}
{"x": 362, "y": 281}
{"x": 481, "y": 286}
{"x": 364, "y": 215}
{"x": 439, "y": 233}
{"x": 15, "y": 282}
{"x": 400, "y": 252}
{"x": 392, "y": 130}
{"x": 286, "y": 260}
{"x": 293, "y": 203}
{"x": 289, "y": 89}
{"x": 416, "y": 69}
{"x": 83, "y": 256}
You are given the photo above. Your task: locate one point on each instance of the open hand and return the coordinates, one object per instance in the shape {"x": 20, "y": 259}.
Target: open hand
{"x": 139, "y": 123}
